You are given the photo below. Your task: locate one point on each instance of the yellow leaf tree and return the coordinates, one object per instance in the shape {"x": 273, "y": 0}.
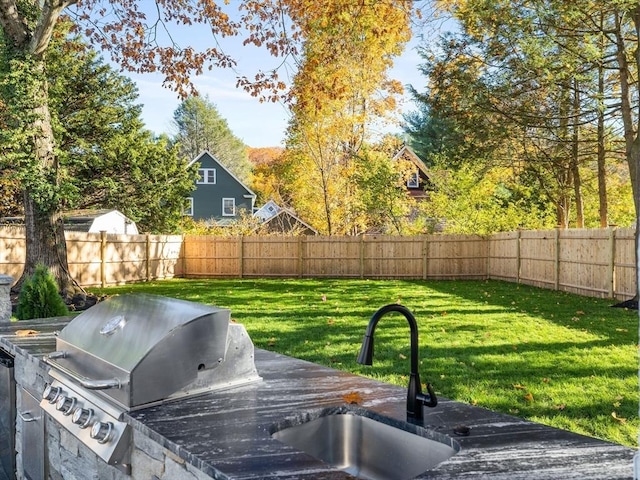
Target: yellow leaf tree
{"x": 340, "y": 91}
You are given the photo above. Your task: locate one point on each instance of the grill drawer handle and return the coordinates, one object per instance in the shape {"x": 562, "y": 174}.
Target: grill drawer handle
{"x": 27, "y": 417}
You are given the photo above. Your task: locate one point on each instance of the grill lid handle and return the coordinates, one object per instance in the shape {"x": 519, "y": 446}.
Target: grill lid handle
{"x": 101, "y": 384}
{"x": 59, "y": 354}
{"x": 87, "y": 383}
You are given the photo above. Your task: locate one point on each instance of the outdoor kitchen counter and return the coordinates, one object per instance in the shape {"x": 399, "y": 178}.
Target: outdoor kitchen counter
{"x": 226, "y": 434}
{"x": 229, "y": 431}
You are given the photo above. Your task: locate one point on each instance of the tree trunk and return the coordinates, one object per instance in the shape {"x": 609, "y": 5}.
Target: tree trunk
{"x": 46, "y": 245}
{"x": 631, "y": 137}
{"x": 44, "y": 229}
{"x": 28, "y": 40}
{"x": 575, "y": 152}
{"x": 601, "y": 155}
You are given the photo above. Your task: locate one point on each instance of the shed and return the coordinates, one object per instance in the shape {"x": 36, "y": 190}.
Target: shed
{"x": 96, "y": 221}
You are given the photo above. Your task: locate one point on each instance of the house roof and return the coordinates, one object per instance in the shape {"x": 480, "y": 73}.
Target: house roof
{"x": 215, "y": 159}
{"x": 271, "y": 213}
{"x": 407, "y": 153}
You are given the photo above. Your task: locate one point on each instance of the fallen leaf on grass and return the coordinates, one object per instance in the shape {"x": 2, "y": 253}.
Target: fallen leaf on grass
{"x": 562, "y": 406}
{"x": 402, "y": 357}
{"x": 353, "y": 398}
{"x": 517, "y": 386}
{"x": 528, "y": 397}
{"x": 26, "y": 333}
{"x": 617, "y": 418}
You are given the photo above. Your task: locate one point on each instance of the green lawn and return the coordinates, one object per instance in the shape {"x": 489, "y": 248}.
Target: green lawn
{"x": 555, "y": 358}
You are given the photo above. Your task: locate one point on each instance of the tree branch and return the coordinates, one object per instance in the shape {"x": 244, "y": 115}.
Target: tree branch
{"x": 51, "y": 10}
{"x": 14, "y": 24}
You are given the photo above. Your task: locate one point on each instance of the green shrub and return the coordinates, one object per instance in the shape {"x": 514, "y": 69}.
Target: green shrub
{"x": 39, "y": 297}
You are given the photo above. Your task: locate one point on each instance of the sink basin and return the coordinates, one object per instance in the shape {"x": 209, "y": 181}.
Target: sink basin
{"x": 365, "y": 444}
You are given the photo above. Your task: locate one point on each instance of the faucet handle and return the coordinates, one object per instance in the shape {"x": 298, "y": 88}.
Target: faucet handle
{"x": 428, "y": 400}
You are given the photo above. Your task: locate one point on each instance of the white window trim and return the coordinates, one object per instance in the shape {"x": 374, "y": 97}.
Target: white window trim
{"x": 203, "y": 178}
{"x": 224, "y": 213}
{"x": 414, "y": 180}
{"x": 188, "y": 210}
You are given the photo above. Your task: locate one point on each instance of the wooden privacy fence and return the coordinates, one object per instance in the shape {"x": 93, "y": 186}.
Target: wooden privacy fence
{"x": 592, "y": 262}
{"x": 101, "y": 259}
{"x": 416, "y": 257}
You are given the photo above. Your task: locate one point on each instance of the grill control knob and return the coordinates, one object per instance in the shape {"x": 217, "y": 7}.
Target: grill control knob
{"x": 82, "y": 417}
{"x": 101, "y": 431}
{"x": 66, "y": 404}
{"x": 51, "y": 393}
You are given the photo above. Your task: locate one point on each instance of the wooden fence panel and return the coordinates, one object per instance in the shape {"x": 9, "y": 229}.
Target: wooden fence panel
{"x": 271, "y": 256}
{"x": 504, "y": 256}
{"x": 12, "y": 250}
{"x": 164, "y": 256}
{"x": 538, "y": 261}
{"x": 337, "y": 257}
{"x": 584, "y": 262}
{"x": 392, "y": 257}
{"x": 211, "y": 256}
{"x": 456, "y": 257}
{"x": 84, "y": 256}
{"x": 624, "y": 260}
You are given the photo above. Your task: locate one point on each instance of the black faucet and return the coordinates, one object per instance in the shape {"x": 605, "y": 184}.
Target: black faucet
{"x": 415, "y": 398}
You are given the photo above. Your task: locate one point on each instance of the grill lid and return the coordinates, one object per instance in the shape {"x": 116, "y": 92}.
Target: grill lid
{"x": 124, "y": 329}
{"x": 140, "y": 349}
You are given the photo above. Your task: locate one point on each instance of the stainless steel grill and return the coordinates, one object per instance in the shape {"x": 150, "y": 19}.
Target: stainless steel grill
{"x": 133, "y": 351}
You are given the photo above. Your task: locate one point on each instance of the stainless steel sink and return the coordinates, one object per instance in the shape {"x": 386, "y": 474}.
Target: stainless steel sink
{"x": 365, "y": 444}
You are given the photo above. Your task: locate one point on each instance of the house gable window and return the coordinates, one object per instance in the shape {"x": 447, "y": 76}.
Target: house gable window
{"x": 206, "y": 175}
{"x": 414, "y": 180}
{"x": 228, "y": 207}
{"x": 188, "y": 210}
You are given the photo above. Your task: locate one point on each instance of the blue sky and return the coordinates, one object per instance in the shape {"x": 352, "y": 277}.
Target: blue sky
{"x": 257, "y": 124}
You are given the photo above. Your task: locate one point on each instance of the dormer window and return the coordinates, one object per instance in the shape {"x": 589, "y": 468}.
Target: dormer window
{"x": 414, "y": 180}
{"x": 207, "y": 175}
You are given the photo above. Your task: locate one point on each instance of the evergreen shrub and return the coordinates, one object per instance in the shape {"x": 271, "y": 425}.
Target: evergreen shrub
{"x": 39, "y": 297}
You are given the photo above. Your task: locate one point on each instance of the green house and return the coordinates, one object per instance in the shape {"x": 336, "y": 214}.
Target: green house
{"x": 218, "y": 196}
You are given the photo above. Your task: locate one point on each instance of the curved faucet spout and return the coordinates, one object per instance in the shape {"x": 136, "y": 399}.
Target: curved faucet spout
{"x": 415, "y": 398}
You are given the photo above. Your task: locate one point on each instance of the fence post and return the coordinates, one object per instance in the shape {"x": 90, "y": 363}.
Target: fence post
{"x": 487, "y": 241}
{"x": 184, "y": 256}
{"x": 147, "y": 252}
{"x": 103, "y": 255}
{"x": 425, "y": 258}
{"x": 300, "y": 255}
{"x": 557, "y": 259}
{"x": 518, "y": 255}
{"x": 611, "y": 271}
{"x": 241, "y": 255}
{"x": 361, "y": 256}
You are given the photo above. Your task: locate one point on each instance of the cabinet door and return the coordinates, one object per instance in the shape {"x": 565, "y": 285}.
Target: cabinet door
{"x": 7, "y": 418}
{"x": 32, "y": 418}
